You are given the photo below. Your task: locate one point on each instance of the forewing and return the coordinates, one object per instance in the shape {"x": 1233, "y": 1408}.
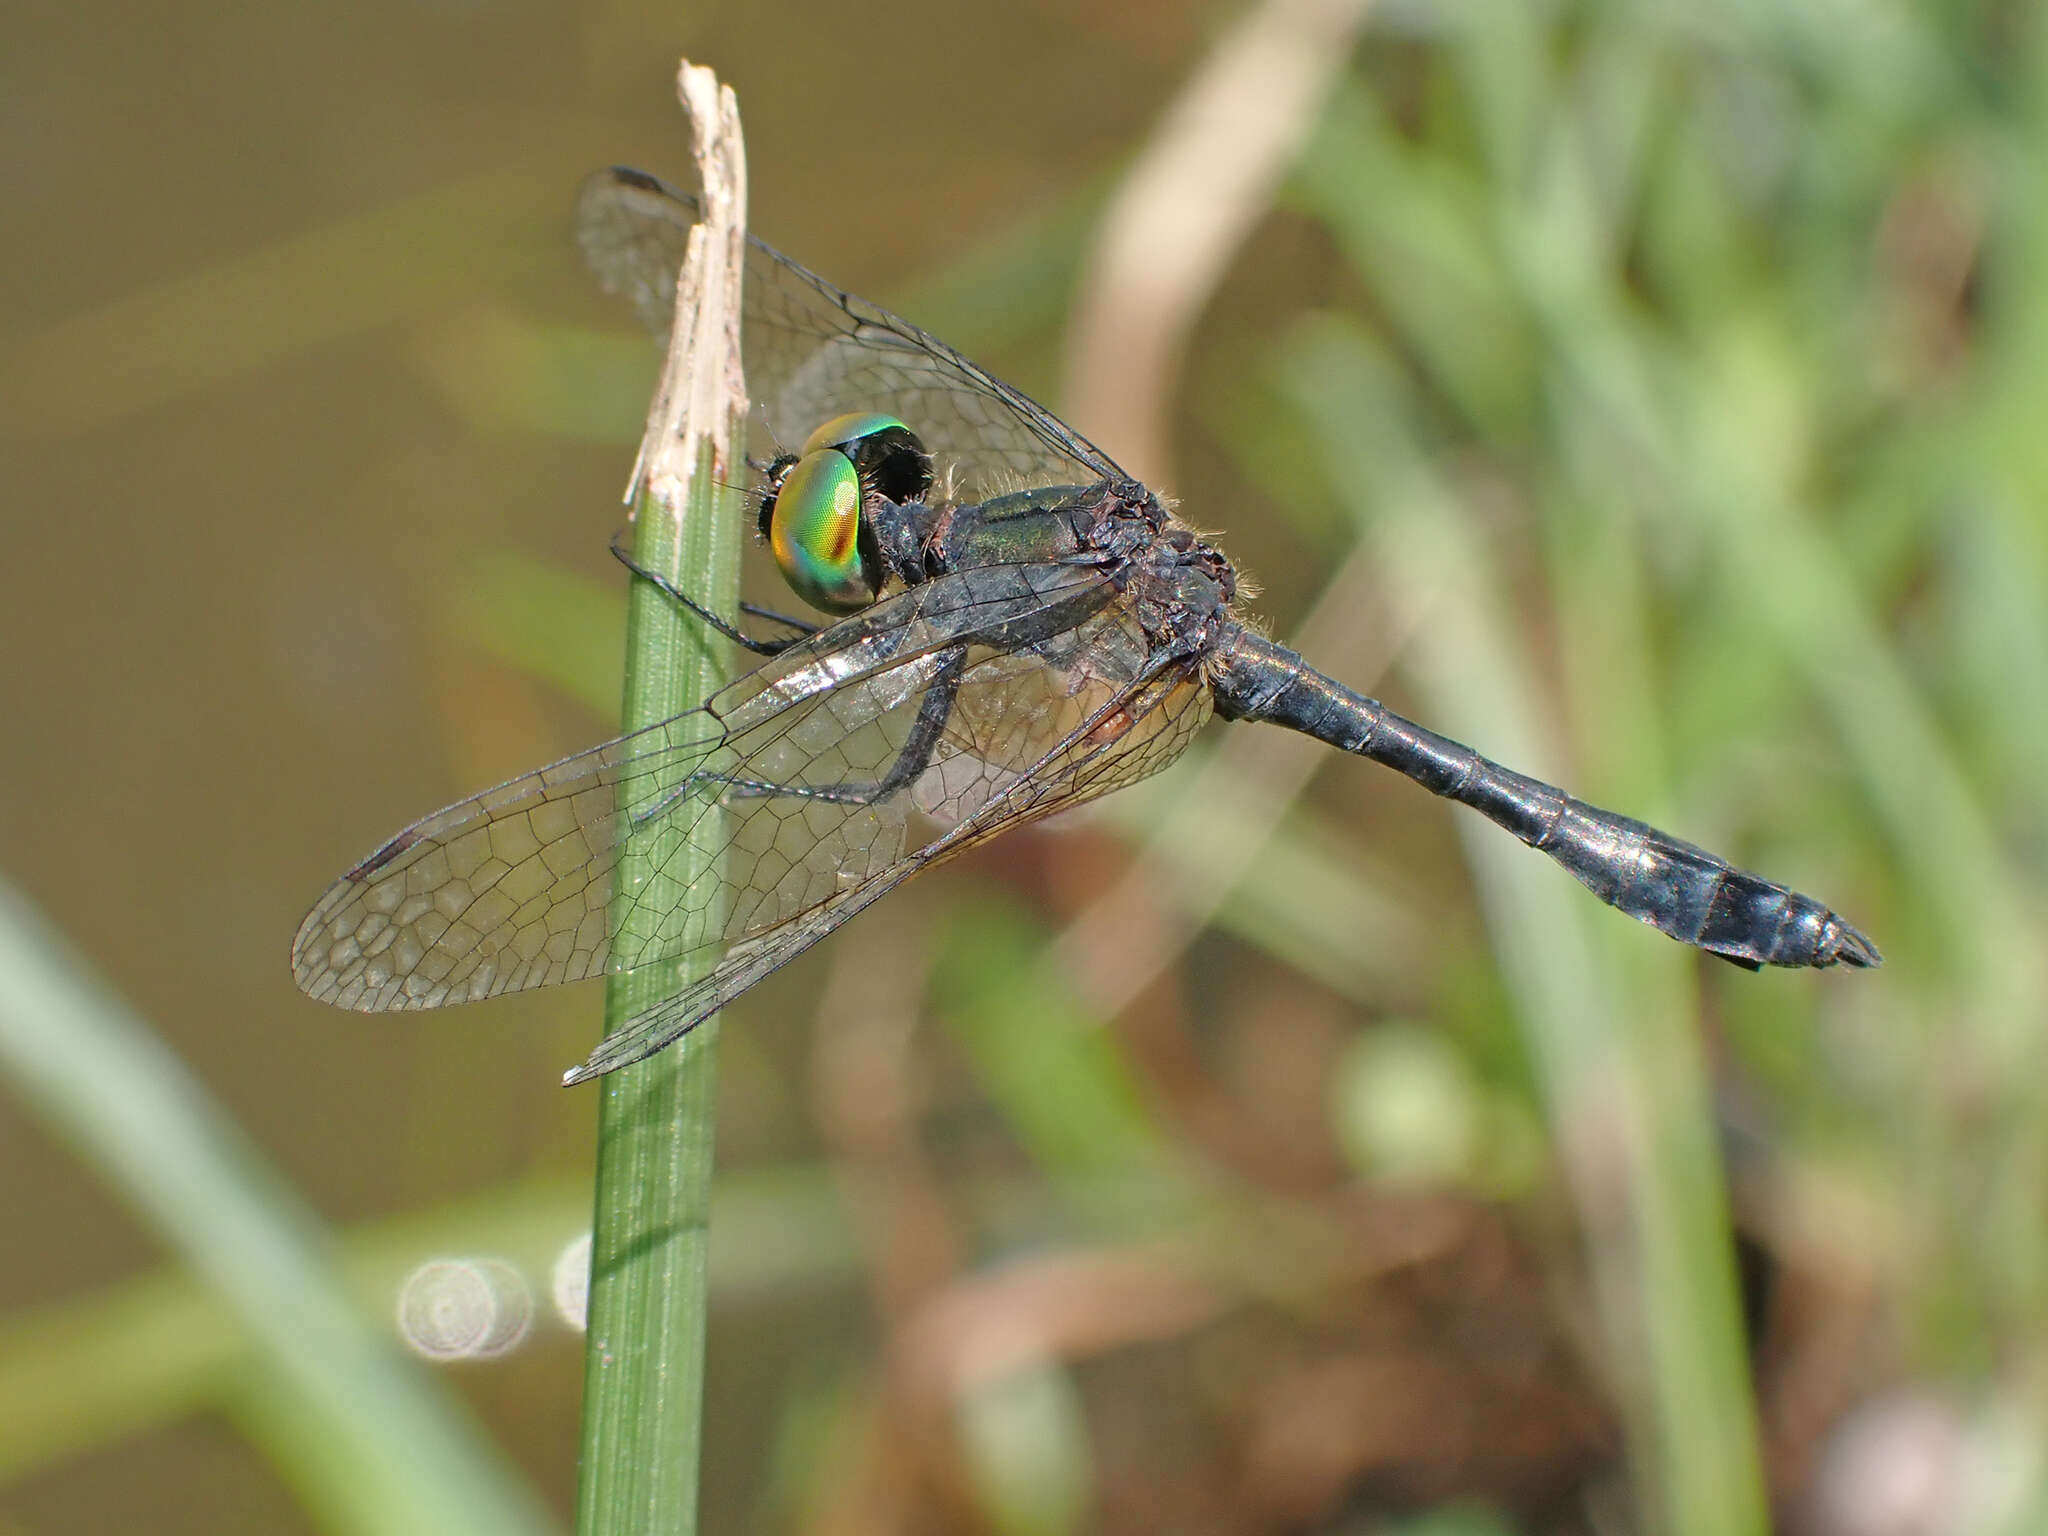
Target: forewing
{"x": 514, "y": 888}
{"x": 814, "y": 351}
{"x": 1134, "y": 732}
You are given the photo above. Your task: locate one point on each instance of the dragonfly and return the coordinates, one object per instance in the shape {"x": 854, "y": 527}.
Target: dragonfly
{"x": 1013, "y": 626}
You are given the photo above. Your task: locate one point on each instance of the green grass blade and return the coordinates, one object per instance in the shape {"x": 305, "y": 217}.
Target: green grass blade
{"x": 644, "y": 1361}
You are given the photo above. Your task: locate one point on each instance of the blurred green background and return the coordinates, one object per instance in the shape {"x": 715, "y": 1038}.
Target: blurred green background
{"x": 1651, "y": 395}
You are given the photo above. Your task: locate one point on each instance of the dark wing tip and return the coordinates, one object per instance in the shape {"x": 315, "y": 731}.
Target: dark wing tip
{"x": 633, "y": 176}
{"x": 644, "y": 1035}
{"x": 620, "y": 1049}
{"x": 633, "y": 228}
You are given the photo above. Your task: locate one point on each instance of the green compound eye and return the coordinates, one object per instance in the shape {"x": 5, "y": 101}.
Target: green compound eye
{"x": 845, "y": 432}
{"x": 891, "y": 461}
{"x": 814, "y": 531}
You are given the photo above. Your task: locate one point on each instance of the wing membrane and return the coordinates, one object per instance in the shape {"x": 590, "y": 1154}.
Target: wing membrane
{"x": 1135, "y": 731}
{"x": 513, "y": 888}
{"x": 814, "y": 351}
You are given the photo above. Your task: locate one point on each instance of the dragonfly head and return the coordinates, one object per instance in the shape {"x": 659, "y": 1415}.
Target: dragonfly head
{"x": 814, "y": 512}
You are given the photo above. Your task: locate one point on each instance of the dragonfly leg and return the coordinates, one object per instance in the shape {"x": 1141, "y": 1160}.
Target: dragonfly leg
{"x": 804, "y": 630}
{"x": 915, "y": 756}
{"x": 725, "y": 627}
{"x": 1694, "y": 896}
{"x": 933, "y": 711}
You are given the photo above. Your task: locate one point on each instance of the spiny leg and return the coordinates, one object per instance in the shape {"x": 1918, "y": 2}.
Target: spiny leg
{"x": 724, "y": 626}
{"x": 911, "y": 760}
{"x": 933, "y": 711}
{"x": 804, "y": 629}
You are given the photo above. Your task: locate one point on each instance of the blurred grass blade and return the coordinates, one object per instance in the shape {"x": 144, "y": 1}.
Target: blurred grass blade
{"x": 1061, "y": 1083}
{"x": 501, "y": 372}
{"x": 381, "y": 1448}
{"x": 82, "y": 1371}
{"x": 407, "y": 258}
{"x": 550, "y": 622}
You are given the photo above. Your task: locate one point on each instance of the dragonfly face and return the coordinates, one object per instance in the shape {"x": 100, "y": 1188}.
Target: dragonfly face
{"x": 818, "y": 513}
{"x": 1024, "y": 633}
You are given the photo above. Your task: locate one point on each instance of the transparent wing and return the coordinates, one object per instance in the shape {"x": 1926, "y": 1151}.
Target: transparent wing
{"x": 1129, "y": 734}
{"x": 814, "y": 351}
{"x": 759, "y": 791}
